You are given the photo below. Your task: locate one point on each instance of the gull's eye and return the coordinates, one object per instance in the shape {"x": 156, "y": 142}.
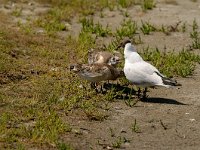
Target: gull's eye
{"x": 71, "y": 67}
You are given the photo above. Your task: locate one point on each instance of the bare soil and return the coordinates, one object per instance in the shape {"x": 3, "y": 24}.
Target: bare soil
{"x": 169, "y": 118}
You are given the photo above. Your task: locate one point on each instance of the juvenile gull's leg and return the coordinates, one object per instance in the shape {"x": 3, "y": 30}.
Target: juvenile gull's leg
{"x": 93, "y": 85}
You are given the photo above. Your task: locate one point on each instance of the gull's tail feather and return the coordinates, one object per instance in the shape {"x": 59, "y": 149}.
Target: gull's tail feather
{"x": 168, "y": 81}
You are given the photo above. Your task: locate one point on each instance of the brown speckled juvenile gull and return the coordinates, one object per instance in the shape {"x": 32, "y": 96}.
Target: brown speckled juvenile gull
{"x": 96, "y": 73}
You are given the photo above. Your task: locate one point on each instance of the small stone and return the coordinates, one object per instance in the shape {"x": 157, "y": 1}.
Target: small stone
{"x": 62, "y": 98}
{"x": 109, "y": 147}
{"x": 31, "y": 4}
{"x": 40, "y": 31}
{"x": 80, "y": 86}
{"x": 127, "y": 144}
{"x": 123, "y": 131}
{"x": 118, "y": 108}
{"x": 192, "y": 120}
{"x": 7, "y": 6}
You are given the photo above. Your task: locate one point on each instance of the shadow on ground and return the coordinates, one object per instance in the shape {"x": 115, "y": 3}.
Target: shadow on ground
{"x": 162, "y": 101}
{"x": 120, "y": 91}
{"x": 124, "y": 92}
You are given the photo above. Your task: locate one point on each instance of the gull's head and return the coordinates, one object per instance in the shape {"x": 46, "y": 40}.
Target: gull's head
{"x": 124, "y": 43}
{"x": 114, "y": 60}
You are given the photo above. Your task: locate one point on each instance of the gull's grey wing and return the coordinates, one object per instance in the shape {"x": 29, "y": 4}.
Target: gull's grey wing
{"x": 143, "y": 73}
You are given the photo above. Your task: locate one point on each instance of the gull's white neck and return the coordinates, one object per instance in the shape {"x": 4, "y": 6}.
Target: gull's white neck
{"x": 130, "y": 54}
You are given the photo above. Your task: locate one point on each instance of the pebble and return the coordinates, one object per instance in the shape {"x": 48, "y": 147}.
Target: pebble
{"x": 192, "y": 120}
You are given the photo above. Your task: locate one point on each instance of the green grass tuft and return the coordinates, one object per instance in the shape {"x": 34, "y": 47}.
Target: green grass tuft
{"x": 64, "y": 146}
{"x": 88, "y": 25}
{"x": 171, "y": 63}
{"x": 148, "y": 4}
{"x": 125, "y": 3}
{"x": 147, "y": 28}
{"x": 135, "y": 127}
{"x": 17, "y": 12}
{"x": 48, "y": 127}
{"x": 128, "y": 29}
{"x": 117, "y": 143}
{"x": 195, "y": 36}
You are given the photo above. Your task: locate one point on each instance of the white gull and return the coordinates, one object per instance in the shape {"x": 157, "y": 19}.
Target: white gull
{"x": 142, "y": 73}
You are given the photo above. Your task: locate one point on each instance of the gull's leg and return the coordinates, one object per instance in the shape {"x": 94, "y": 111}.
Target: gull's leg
{"x": 96, "y": 87}
{"x": 101, "y": 88}
{"x": 92, "y": 85}
{"x": 139, "y": 92}
{"x": 145, "y": 93}
{"x": 108, "y": 82}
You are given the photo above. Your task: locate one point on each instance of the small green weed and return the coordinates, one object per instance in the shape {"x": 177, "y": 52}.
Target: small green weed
{"x": 130, "y": 101}
{"x": 88, "y": 25}
{"x": 138, "y": 40}
{"x": 170, "y": 64}
{"x": 147, "y": 28}
{"x": 111, "y": 94}
{"x": 148, "y": 4}
{"x": 112, "y": 134}
{"x": 125, "y": 3}
{"x": 54, "y": 20}
{"x": 27, "y": 28}
{"x": 64, "y": 146}
{"x": 86, "y": 41}
{"x": 51, "y": 26}
{"x": 195, "y": 35}
{"x": 128, "y": 29}
{"x": 113, "y": 45}
{"x": 118, "y": 142}
{"x": 93, "y": 112}
{"x": 135, "y": 128}
{"x": 17, "y": 12}
{"x": 48, "y": 126}
{"x": 184, "y": 27}
{"x": 125, "y": 14}
{"x": 164, "y": 30}
{"x": 80, "y": 46}
{"x": 172, "y": 28}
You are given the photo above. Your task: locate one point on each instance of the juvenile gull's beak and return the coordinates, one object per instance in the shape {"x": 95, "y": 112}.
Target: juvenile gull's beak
{"x": 71, "y": 67}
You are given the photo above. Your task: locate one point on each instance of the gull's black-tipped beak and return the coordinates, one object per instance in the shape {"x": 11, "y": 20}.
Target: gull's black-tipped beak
{"x": 123, "y": 43}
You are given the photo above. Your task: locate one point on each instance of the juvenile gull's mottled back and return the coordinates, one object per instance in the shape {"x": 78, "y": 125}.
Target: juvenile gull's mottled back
{"x": 100, "y": 57}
